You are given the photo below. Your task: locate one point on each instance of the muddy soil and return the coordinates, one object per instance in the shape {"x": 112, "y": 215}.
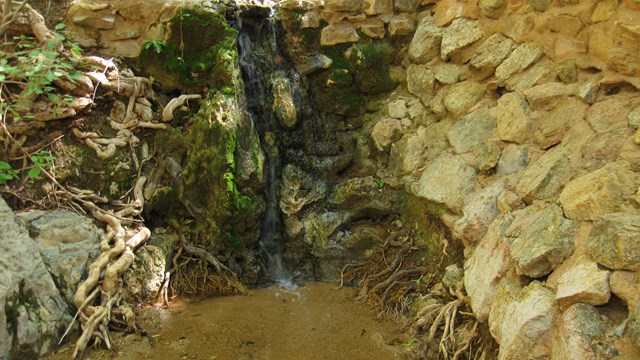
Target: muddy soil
{"x": 312, "y": 322}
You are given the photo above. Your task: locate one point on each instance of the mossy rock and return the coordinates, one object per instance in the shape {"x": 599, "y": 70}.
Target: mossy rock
{"x": 199, "y": 52}
{"x": 370, "y": 64}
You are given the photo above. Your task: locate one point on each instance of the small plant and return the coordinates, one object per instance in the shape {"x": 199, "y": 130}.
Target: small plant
{"x": 157, "y": 46}
{"x": 7, "y": 172}
{"x": 380, "y": 183}
{"x": 41, "y": 160}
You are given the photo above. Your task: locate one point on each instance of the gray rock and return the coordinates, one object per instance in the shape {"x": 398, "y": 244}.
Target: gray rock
{"x": 492, "y": 8}
{"x": 408, "y": 6}
{"x": 488, "y": 156}
{"x": 421, "y": 82}
{"x": 462, "y": 96}
{"x": 513, "y": 118}
{"x": 634, "y": 326}
{"x": 520, "y": 58}
{"x": 530, "y": 77}
{"x": 588, "y": 91}
{"x": 547, "y": 95}
{"x": 584, "y": 283}
{"x": 373, "y": 28}
{"x": 540, "y": 5}
{"x": 447, "y": 180}
{"x": 447, "y": 73}
{"x": 600, "y": 192}
{"x": 397, "y": 109}
{"x": 480, "y": 209}
{"x": 492, "y": 52}
{"x": 615, "y": 241}
{"x": 359, "y": 195}
{"x": 487, "y": 266}
{"x": 299, "y": 189}
{"x": 67, "y": 243}
{"x": 461, "y": 33}
{"x": 318, "y": 231}
{"x": 521, "y": 321}
{"x": 543, "y": 244}
{"x": 576, "y": 333}
{"x": 425, "y": 44}
{"x": 514, "y": 158}
{"x": 143, "y": 282}
{"x": 471, "y": 131}
{"x": 33, "y": 314}
{"x": 313, "y": 64}
{"x": 96, "y": 21}
{"x": 545, "y": 178}
{"x": 409, "y": 155}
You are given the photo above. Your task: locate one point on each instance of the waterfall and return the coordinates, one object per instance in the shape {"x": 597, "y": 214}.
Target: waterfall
{"x": 259, "y": 57}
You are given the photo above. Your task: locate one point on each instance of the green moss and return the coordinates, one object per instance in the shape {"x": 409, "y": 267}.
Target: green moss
{"x": 337, "y": 54}
{"x": 370, "y": 64}
{"x": 310, "y": 36}
{"x": 201, "y": 51}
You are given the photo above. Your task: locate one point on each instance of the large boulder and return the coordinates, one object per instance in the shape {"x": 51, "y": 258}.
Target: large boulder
{"x": 521, "y": 320}
{"x": 425, "y": 44}
{"x": 447, "y": 180}
{"x": 471, "y": 131}
{"x": 67, "y": 243}
{"x": 33, "y": 313}
{"x": 461, "y": 33}
{"x": 585, "y": 283}
{"x": 521, "y": 58}
{"x": 480, "y": 209}
{"x": 615, "y": 241}
{"x": 576, "y": 334}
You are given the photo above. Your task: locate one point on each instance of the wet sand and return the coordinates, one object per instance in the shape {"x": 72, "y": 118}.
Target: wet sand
{"x": 312, "y": 322}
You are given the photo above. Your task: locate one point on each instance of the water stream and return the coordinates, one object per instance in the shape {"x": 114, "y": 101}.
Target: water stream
{"x": 258, "y": 53}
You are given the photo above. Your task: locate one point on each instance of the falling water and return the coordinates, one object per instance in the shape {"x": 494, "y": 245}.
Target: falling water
{"x": 258, "y": 49}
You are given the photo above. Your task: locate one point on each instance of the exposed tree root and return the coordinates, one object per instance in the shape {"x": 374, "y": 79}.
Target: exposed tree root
{"x": 389, "y": 280}
{"x": 196, "y": 272}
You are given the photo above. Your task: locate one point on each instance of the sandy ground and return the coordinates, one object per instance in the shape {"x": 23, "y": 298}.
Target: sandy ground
{"x": 312, "y": 322}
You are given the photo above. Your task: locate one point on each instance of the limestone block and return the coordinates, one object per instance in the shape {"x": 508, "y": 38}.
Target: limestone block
{"x": 605, "y": 148}
{"x": 447, "y": 73}
{"x": 540, "y": 5}
{"x": 447, "y": 180}
{"x": 421, "y": 82}
{"x": 343, "y": 5}
{"x": 585, "y": 283}
{"x": 634, "y": 117}
{"x": 313, "y": 64}
{"x": 606, "y": 115}
{"x": 492, "y": 8}
{"x": 375, "y": 7}
{"x": 95, "y": 20}
{"x": 615, "y": 241}
{"x": 513, "y": 118}
{"x": 461, "y": 33}
{"x": 492, "y": 52}
{"x": 626, "y": 286}
{"x": 385, "y": 132}
{"x": 576, "y": 332}
{"x": 311, "y": 19}
{"x": 604, "y": 10}
{"x": 600, "y": 192}
{"x": 488, "y": 155}
{"x": 588, "y": 91}
{"x": 407, "y": 6}
{"x": 338, "y": 34}
{"x": 461, "y": 96}
{"x": 530, "y": 77}
{"x": 143, "y": 281}
{"x": 373, "y": 28}
{"x": 489, "y": 263}
{"x": 283, "y": 106}
{"x": 514, "y": 158}
{"x": 401, "y": 25}
{"x": 479, "y": 210}
{"x": 546, "y": 96}
{"x": 397, "y": 109}
{"x": 564, "y": 24}
{"x": 520, "y": 58}
{"x": 471, "y": 131}
{"x": 521, "y": 321}
{"x": 436, "y": 104}
{"x": 551, "y": 128}
{"x": 409, "y": 153}
{"x": 545, "y": 241}
{"x": 67, "y": 243}
{"x": 425, "y": 44}
{"x": 545, "y": 178}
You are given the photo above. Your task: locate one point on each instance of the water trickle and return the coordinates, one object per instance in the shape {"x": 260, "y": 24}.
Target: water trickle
{"x": 259, "y": 58}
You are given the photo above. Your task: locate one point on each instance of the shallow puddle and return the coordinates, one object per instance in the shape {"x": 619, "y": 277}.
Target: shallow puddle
{"x": 314, "y": 321}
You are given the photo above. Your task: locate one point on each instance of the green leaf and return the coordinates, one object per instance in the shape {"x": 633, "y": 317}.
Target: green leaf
{"x": 34, "y": 172}
{"x": 5, "y": 166}
{"x": 4, "y": 178}
{"x": 59, "y": 27}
